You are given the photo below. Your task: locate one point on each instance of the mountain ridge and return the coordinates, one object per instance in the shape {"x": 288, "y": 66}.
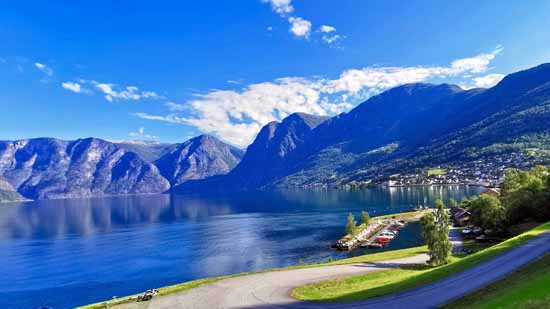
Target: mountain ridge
{"x": 49, "y": 168}
{"x": 407, "y": 127}
{"x": 404, "y": 129}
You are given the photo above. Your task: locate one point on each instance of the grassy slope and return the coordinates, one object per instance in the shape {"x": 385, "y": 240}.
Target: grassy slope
{"x": 436, "y": 171}
{"x": 382, "y": 256}
{"x": 394, "y": 280}
{"x": 528, "y": 287}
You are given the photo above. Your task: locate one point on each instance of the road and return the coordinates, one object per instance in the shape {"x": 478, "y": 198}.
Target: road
{"x": 272, "y": 290}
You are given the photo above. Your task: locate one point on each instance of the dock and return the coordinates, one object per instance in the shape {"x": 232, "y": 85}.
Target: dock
{"x": 368, "y": 235}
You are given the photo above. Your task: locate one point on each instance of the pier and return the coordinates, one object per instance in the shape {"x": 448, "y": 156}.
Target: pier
{"x": 369, "y": 234}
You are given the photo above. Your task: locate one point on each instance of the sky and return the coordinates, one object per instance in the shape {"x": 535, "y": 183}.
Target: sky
{"x": 165, "y": 71}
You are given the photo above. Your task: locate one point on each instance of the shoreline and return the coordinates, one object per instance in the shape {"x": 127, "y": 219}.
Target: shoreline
{"x": 349, "y": 242}
{"x": 184, "y": 286}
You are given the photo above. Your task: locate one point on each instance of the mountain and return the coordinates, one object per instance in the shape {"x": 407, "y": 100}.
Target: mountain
{"x": 198, "y": 158}
{"x": 8, "y": 193}
{"x": 402, "y": 130}
{"x": 405, "y": 128}
{"x": 45, "y": 168}
{"x": 268, "y": 157}
{"x": 49, "y": 168}
{"x": 149, "y": 151}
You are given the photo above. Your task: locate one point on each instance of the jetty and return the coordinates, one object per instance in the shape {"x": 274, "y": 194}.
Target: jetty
{"x": 368, "y": 235}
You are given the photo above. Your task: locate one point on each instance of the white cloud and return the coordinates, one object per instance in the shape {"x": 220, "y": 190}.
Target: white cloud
{"x": 478, "y": 64}
{"x": 234, "y": 82}
{"x": 488, "y": 81}
{"x": 141, "y": 135}
{"x": 74, "y": 87}
{"x": 44, "y": 68}
{"x": 329, "y": 35}
{"x": 237, "y": 116}
{"x": 174, "y": 107}
{"x": 331, "y": 39}
{"x": 281, "y": 7}
{"x": 299, "y": 27}
{"x": 168, "y": 118}
{"x": 327, "y": 29}
{"x": 113, "y": 92}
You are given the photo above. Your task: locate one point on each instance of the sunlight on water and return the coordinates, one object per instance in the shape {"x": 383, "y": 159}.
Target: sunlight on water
{"x": 63, "y": 253}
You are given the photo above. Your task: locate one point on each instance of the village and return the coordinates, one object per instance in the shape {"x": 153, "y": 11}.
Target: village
{"x": 486, "y": 172}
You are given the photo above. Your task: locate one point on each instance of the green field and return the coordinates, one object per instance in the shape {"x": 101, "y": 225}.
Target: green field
{"x": 528, "y": 287}
{"x": 436, "y": 171}
{"x": 390, "y": 281}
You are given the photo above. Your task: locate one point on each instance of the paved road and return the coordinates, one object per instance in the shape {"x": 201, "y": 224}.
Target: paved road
{"x": 271, "y": 290}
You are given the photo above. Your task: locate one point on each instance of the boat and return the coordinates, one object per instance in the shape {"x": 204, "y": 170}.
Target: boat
{"x": 374, "y": 245}
{"x": 387, "y": 235}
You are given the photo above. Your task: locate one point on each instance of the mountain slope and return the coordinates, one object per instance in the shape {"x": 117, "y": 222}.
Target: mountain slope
{"x": 50, "y": 168}
{"x": 8, "y": 193}
{"x": 408, "y": 127}
{"x": 198, "y": 158}
{"x": 268, "y": 157}
{"x": 45, "y": 168}
{"x": 148, "y": 151}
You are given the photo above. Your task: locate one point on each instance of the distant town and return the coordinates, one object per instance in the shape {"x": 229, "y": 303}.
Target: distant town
{"x": 487, "y": 172}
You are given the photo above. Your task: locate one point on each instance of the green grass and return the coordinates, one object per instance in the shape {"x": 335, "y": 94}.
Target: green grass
{"x": 382, "y": 256}
{"x": 390, "y": 281}
{"x": 528, "y": 287}
{"x": 474, "y": 246}
{"x": 436, "y": 171}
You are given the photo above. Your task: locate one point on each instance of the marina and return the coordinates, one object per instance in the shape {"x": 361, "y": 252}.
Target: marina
{"x": 378, "y": 233}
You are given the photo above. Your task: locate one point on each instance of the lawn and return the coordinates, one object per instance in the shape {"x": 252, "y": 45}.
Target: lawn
{"x": 436, "y": 171}
{"x": 390, "y": 281}
{"x": 528, "y": 287}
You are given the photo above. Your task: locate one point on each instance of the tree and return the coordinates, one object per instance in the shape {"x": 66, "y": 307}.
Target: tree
{"x": 435, "y": 231}
{"x": 365, "y": 217}
{"x": 487, "y": 212}
{"x": 453, "y": 202}
{"x": 526, "y": 194}
{"x": 351, "y": 224}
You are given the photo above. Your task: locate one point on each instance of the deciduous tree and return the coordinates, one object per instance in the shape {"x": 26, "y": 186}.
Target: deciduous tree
{"x": 351, "y": 225}
{"x": 435, "y": 230}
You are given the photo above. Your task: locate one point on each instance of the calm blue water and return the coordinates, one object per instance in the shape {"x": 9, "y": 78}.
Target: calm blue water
{"x": 65, "y": 253}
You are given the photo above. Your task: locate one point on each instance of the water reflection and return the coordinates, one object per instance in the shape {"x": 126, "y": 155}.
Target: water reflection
{"x": 56, "y": 218}
{"x": 65, "y": 253}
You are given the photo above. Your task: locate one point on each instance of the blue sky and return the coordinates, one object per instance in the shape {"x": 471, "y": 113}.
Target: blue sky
{"x": 169, "y": 70}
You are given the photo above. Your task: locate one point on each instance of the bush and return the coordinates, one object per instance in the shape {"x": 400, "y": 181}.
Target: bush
{"x": 351, "y": 225}
{"x": 365, "y": 217}
{"x": 487, "y": 212}
{"x": 527, "y": 194}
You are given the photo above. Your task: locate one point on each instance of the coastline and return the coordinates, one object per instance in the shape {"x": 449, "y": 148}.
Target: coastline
{"x": 184, "y": 286}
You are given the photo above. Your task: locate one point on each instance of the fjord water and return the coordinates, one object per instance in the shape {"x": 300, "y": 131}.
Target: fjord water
{"x": 65, "y": 253}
